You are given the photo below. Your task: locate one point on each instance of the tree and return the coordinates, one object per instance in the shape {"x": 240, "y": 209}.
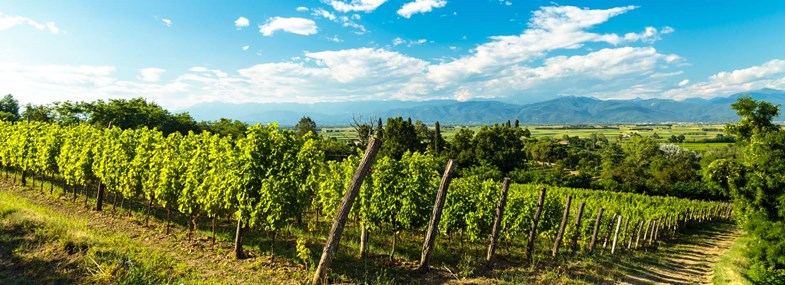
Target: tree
{"x": 499, "y": 146}
{"x": 40, "y": 113}
{"x": 755, "y": 117}
{"x": 304, "y": 126}
{"x": 9, "y": 108}
{"x": 437, "y": 142}
{"x": 400, "y": 136}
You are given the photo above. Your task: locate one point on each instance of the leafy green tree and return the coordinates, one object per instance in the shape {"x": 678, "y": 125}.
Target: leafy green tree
{"x": 225, "y": 127}
{"x": 304, "y": 126}
{"x": 499, "y": 146}
{"x": 462, "y": 148}
{"x": 755, "y": 117}
{"x": 9, "y": 108}
{"x": 400, "y": 136}
{"x": 40, "y": 113}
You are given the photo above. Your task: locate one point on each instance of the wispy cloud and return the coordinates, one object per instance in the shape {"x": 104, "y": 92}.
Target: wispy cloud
{"x": 298, "y": 26}
{"x": 167, "y": 22}
{"x": 10, "y": 21}
{"x": 356, "y": 5}
{"x": 420, "y": 6}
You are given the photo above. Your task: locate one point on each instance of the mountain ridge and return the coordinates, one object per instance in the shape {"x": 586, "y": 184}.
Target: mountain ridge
{"x": 562, "y": 110}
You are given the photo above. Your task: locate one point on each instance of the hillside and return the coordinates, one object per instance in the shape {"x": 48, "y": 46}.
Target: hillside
{"x": 564, "y": 110}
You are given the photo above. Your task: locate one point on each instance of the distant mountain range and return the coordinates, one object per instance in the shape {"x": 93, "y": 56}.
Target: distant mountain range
{"x": 563, "y": 110}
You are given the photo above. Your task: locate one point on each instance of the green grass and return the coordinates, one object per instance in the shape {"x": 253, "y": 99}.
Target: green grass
{"x": 40, "y": 246}
{"x": 730, "y": 269}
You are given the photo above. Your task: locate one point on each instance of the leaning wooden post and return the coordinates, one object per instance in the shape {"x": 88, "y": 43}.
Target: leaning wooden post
{"x": 497, "y": 223}
{"x": 334, "y": 238}
{"x": 596, "y": 230}
{"x": 625, "y": 231}
{"x": 433, "y": 225}
{"x": 635, "y": 226}
{"x": 533, "y": 231}
{"x": 616, "y": 235}
{"x": 562, "y": 226}
{"x": 574, "y": 245}
{"x": 608, "y": 234}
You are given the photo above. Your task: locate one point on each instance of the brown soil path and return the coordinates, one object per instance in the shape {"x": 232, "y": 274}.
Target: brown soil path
{"x": 689, "y": 261}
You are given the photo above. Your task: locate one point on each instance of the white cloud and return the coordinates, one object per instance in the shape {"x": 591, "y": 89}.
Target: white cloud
{"x": 241, "y": 23}
{"x": 302, "y": 9}
{"x": 550, "y": 28}
{"x": 356, "y": 5}
{"x": 771, "y": 74}
{"x": 517, "y": 67}
{"x": 246, "y": 47}
{"x": 319, "y": 12}
{"x": 409, "y": 43}
{"x": 649, "y": 35}
{"x": 167, "y": 22}
{"x": 349, "y": 22}
{"x": 9, "y": 21}
{"x": 298, "y": 26}
{"x": 420, "y": 6}
{"x": 152, "y": 74}
{"x": 335, "y": 39}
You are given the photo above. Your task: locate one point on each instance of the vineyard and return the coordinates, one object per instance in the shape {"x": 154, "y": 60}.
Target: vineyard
{"x": 278, "y": 188}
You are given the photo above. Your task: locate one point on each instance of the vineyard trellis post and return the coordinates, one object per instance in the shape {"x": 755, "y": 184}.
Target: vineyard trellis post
{"x": 533, "y": 231}
{"x": 497, "y": 222}
{"x": 433, "y": 225}
{"x": 616, "y": 235}
{"x": 342, "y": 214}
{"x": 574, "y": 245}
{"x": 596, "y": 230}
{"x": 562, "y": 226}
{"x": 608, "y": 233}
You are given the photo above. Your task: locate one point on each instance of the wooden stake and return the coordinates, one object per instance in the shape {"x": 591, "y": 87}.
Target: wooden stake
{"x": 574, "y": 245}
{"x": 433, "y": 225}
{"x": 533, "y": 231}
{"x": 497, "y": 222}
{"x": 342, "y": 214}
{"x": 562, "y": 226}
{"x": 596, "y": 230}
{"x": 616, "y": 235}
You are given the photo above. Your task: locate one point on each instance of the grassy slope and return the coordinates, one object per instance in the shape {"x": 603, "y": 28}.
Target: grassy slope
{"x": 44, "y": 240}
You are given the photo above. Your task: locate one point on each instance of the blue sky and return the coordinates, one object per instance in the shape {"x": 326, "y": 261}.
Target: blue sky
{"x": 180, "y": 53}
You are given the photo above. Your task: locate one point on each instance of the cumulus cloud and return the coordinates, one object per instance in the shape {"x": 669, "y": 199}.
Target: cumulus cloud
{"x": 9, "y": 21}
{"x": 356, "y": 5}
{"x": 420, "y": 6}
{"x": 298, "y": 26}
{"x": 241, "y": 23}
{"x": 301, "y": 9}
{"x": 515, "y": 67}
{"x": 770, "y": 74}
{"x": 246, "y": 47}
{"x": 152, "y": 74}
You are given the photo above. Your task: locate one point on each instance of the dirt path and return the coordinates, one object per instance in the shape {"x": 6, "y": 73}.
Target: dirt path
{"x": 690, "y": 261}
